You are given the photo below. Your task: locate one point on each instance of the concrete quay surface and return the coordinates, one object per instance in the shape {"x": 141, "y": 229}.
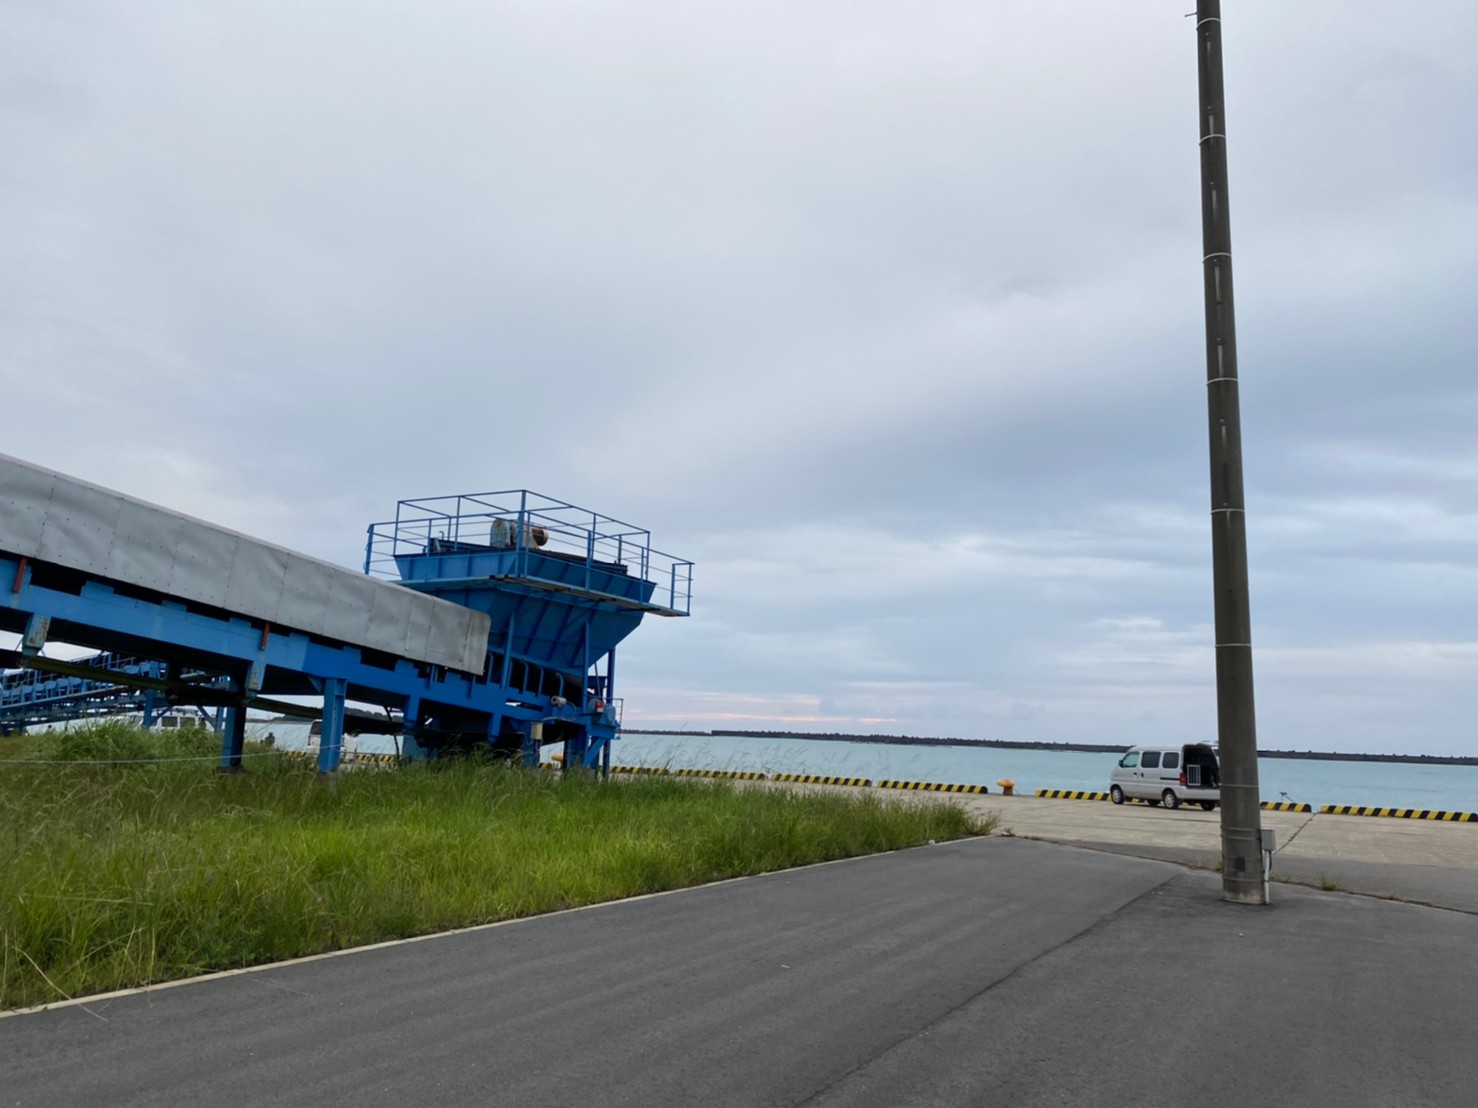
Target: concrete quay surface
{"x": 1417, "y": 860}
{"x": 990, "y": 971}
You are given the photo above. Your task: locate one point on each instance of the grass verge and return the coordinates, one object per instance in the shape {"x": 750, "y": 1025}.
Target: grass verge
{"x": 113, "y": 875}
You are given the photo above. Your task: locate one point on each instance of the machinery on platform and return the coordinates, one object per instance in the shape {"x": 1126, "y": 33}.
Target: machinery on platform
{"x": 484, "y": 622}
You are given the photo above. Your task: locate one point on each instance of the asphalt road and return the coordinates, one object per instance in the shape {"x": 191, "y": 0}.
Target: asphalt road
{"x": 995, "y": 972}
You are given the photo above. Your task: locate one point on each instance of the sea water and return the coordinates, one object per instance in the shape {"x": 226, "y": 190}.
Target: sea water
{"x": 1302, "y": 780}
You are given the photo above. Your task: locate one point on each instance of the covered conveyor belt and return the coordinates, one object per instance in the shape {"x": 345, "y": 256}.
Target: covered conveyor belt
{"x": 49, "y": 517}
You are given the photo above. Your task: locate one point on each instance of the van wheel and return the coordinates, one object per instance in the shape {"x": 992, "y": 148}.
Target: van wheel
{"x": 1208, "y": 805}
{"x": 1116, "y": 794}
{"x": 1169, "y": 799}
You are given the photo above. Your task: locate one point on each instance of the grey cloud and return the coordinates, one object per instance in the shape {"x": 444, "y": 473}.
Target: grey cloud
{"x": 888, "y": 316}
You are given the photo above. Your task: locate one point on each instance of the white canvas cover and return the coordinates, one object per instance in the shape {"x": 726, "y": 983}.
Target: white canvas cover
{"x": 50, "y": 517}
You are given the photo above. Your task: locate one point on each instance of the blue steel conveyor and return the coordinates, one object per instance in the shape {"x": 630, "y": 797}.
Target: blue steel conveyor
{"x": 480, "y": 621}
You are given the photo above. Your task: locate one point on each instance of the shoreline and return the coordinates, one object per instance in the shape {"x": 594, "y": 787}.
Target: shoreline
{"x": 1068, "y": 747}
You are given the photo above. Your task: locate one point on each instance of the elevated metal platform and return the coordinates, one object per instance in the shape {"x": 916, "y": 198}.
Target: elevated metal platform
{"x": 530, "y": 540}
{"x": 488, "y": 620}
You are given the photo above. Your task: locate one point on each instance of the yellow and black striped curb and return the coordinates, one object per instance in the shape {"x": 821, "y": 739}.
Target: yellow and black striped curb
{"x": 1072, "y": 794}
{"x": 932, "y": 787}
{"x": 819, "y": 779}
{"x": 1398, "y": 813}
{"x": 375, "y": 759}
{"x": 658, "y": 771}
{"x": 728, "y": 774}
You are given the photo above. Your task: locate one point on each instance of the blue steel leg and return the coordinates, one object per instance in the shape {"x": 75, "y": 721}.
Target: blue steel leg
{"x": 331, "y": 741}
{"x": 491, "y": 732}
{"x": 577, "y": 746}
{"x": 409, "y": 719}
{"x": 595, "y": 751}
{"x": 233, "y": 739}
{"x": 412, "y": 749}
{"x": 605, "y": 751}
{"x": 149, "y": 695}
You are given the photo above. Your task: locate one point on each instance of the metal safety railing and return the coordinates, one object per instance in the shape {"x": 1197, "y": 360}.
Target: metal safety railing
{"x": 531, "y": 525}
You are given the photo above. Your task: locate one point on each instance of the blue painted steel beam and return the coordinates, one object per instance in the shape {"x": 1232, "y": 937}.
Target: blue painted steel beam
{"x": 331, "y": 739}
{"x": 233, "y": 739}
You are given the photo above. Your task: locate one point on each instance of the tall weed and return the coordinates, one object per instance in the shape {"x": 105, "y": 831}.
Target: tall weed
{"x": 118, "y": 875}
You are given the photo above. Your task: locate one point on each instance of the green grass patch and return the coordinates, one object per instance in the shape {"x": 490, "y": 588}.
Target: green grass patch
{"x": 113, "y": 875}
{"x": 116, "y": 742}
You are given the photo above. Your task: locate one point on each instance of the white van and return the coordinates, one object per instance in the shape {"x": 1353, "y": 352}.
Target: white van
{"x": 1168, "y": 775}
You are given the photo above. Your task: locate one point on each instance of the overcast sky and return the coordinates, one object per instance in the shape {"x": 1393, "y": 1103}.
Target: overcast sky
{"x": 888, "y": 315}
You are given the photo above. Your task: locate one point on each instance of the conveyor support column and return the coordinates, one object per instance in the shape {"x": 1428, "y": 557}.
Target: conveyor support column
{"x": 331, "y": 740}
{"x": 233, "y": 739}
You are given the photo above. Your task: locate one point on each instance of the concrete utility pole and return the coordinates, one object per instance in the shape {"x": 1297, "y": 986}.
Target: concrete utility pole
{"x": 1243, "y": 877}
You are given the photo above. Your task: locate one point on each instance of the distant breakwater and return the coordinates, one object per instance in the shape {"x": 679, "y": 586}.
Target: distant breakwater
{"x": 1088, "y": 748}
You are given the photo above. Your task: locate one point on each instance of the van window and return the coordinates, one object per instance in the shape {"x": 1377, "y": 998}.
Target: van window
{"x": 1129, "y": 761}
{"x": 1172, "y": 760}
{"x": 1151, "y": 759}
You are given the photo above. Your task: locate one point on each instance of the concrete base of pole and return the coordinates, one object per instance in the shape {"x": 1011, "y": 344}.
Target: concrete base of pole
{"x": 1243, "y": 872}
